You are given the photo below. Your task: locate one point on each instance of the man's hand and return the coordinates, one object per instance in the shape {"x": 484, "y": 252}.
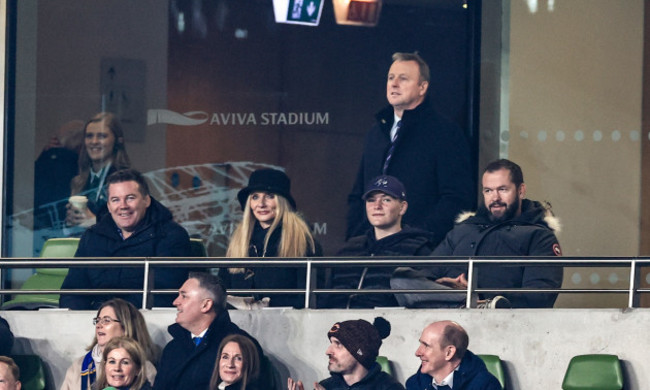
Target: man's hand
{"x": 459, "y": 283}
{"x": 77, "y": 217}
{"x": 291, "y": 385}
{"x": 297, "y": 385}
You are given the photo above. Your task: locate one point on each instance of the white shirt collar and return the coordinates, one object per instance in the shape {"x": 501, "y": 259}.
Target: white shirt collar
{"x": 447, "y": 381}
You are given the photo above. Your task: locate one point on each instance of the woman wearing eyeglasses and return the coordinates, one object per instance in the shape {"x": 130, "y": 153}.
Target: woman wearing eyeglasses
{"x": 115, "y": 318}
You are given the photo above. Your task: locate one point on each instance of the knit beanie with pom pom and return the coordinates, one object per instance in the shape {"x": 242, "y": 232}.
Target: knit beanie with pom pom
{"x": 361, "y": 338}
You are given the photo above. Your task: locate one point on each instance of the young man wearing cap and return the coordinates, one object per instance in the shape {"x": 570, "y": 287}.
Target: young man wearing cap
{"x": 385, "y": 199}
{"x": 354, "y": 347}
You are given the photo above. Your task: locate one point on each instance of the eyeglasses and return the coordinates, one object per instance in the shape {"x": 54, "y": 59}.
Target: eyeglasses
{"x": 104, "y": 320}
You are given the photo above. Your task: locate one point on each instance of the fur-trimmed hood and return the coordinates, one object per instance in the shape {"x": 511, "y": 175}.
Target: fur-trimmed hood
{"x": 532, "y": 212}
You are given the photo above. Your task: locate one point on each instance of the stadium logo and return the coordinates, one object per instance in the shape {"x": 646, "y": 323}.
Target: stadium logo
{"x": 196, "y": 118}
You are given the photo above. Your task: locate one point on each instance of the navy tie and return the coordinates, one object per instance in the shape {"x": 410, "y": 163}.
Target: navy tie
{"x": 392, "y": 147}
{"x": 445, "y": 387}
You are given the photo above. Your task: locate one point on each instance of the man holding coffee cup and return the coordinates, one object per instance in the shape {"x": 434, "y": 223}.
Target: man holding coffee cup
{"x": 138, "y": 226}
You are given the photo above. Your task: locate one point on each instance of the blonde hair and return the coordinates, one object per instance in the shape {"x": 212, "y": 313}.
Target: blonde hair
{"x": 295, "y": 240}
{"x": 136, "y": 353}
{"x": 133, "y": 324}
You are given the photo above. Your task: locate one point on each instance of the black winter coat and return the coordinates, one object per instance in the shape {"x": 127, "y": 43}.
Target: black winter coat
{"x": 407, "y": 242}
{"x": 530, "y": 234}
{"x": 184, "y": 366}
{"x": 6, "y": 338}
{"x": 375, "y": 380}
{"x": 157, "y": 235}
{"x": 272, "y": 277}
{"x": 431, "y": 159}
{"x": 471, "y": 375}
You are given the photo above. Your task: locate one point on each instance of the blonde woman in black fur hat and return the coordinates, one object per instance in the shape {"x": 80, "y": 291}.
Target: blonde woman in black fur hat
{"x": 270, "y": 227}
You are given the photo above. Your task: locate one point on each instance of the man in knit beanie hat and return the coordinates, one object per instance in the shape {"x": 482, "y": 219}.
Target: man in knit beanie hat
{"x": 353, "y": 350}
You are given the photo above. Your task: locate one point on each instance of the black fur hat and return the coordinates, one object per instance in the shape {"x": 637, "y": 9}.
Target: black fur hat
{"x": 268, "y": 180}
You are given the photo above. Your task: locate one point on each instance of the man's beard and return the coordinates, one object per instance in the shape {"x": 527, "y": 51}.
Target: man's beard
{"x": 509, "y": 213}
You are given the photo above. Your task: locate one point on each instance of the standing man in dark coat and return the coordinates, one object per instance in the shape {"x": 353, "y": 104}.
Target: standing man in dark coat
{"x": 447, "y": 363}
{"x": 354, "y": 347}
{"x": 138, "y": 226}
{"x": 386, "y": 202}
{"x": 506, "y": 224}
{"x": 202, "y": 321}
{"x": 411, "y": 142}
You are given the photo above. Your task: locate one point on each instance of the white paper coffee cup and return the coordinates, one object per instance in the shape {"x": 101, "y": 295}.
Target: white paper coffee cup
{"x": 78, "y": 201}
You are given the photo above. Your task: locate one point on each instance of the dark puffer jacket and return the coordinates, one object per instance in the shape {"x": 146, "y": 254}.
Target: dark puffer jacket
{"x": 530, "y": 234}
{"x": 407, "y": 242}
{"x": 431, "y": 159}
{"x": 471, "y": 375}
{"x": 375, "y": 380}
{"x": 157, "y": 235}
{"x": 271, "y": 277}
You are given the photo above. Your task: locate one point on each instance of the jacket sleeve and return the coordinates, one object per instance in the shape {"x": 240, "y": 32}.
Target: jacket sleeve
{"x": 174, "y": 243}
{"x": 419, "y": 381}
{"x": 77, "y": 278}
{"x": 72, "y": 380}
{"x": 6, "y": 338}
{"x": 162, "y": 376}
{"x": 356, "y": 216}
{"x": 543, "y": 243}
{"x": 454, "y": 179}
{"x": 445, "y": 248}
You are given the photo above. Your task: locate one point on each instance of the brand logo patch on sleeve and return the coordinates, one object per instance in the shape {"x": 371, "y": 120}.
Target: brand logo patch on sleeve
{"x": 557, "y": 250}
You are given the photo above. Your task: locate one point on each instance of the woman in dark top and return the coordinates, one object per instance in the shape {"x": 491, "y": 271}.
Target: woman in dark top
{"x": 270, "y": 227}
{"x": 237, "y": 366}
{"x": 103, "y": 153}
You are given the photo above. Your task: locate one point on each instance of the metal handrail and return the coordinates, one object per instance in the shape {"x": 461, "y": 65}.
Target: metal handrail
{"x": 311, "y": 265}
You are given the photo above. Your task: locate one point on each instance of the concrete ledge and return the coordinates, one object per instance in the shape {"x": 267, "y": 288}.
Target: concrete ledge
{"x": 536, "y": 345}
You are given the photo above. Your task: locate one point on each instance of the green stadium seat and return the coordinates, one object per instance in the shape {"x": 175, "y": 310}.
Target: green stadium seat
{"x": 45, "y": 278}
{"x": 594, "y": 372}
{"x": 32, "y": 371}
{"x": 384, "y": 363}
{"x": 495, "y": 367}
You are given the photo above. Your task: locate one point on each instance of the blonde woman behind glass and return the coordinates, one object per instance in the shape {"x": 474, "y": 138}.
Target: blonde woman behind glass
{"x": 103, "y": 153}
